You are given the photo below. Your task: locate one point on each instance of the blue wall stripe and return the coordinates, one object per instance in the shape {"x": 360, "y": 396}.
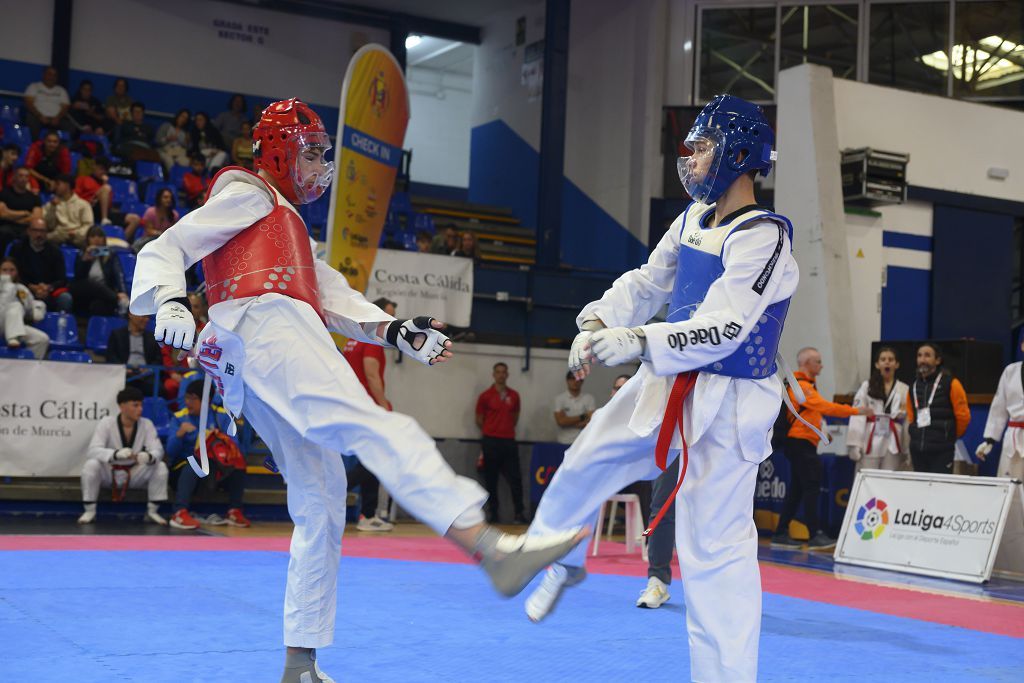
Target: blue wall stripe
{"x": 903, "y": 240}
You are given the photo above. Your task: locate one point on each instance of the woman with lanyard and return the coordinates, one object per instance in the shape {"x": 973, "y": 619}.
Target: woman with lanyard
{"x": 937, "y": 413}
{"x": 878, "y": 442}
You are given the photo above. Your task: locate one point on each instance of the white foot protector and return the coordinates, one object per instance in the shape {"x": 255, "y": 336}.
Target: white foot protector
{"x": 512, "y": 561}
{"x": 87, "y": 517}
{"x": 654, "y": 596}
{"x": 543, "y": 600}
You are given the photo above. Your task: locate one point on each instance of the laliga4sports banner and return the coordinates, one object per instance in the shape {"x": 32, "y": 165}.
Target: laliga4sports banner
{"x": 941, "y": 525}
{"x": 373, "y": 118}
{"x": 47, "y": 421}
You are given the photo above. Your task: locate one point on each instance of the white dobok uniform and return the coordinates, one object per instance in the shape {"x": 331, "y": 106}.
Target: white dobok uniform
{"x": 98, "y": 469}
{"x": 1007, "y": 413}
{"x": 290, "y": 381}
{"x": 886, "y": 434}
{"x": 727, "y": 422}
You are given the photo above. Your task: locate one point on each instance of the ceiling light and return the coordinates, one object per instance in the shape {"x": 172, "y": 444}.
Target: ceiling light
{"x": 412, "y": 40}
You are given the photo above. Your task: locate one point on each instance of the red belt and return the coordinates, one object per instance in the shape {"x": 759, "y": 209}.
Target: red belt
{"x": 892, "y": 428}
{"x": 681, "y": 388}
{"x": 1018, "y": 425}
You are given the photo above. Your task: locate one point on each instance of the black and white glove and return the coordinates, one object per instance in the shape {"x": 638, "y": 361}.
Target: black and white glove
{"x": 175, "y": 326}
{"x": 580, "y": 355}
{"x": 121, "y": 456}
{"x": 984, "y": 448}
{"x": 420, "y": 338}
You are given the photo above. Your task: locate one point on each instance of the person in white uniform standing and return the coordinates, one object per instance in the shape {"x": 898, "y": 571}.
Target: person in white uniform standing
{"x": 879, "y": 442}
{"x": 268, "y": 349}
{"x": 706, "y": 388}
{"x": 1006, "y": 422}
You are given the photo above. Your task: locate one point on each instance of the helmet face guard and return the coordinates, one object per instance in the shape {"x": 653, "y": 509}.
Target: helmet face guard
{"x": 699, "y": 171}
{"x": 311, "y": 174}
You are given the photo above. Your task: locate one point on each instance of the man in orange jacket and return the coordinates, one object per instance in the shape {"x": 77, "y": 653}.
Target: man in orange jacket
{"x": 937, "y": 413}
{"x": 801, "y": 449}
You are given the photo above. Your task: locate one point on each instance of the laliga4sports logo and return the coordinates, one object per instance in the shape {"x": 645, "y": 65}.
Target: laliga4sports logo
{"x": 872, "y": 518}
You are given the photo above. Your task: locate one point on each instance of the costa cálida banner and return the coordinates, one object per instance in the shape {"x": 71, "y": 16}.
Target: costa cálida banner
{"x": 374, "y": 113}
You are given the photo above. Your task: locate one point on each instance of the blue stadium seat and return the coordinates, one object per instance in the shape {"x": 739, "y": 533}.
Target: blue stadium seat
{"x": 123, "y": 190}
{"x": 409, "y": 242}
{"x": 10, "y": 113}
{"x": 128, "y": 266}
{"x": 424, "y": 222}
{"x": 70, "y": 356}
{"x": 20, "y": 354}
{"x": 155, "y": 408}
{"x": 149, "y": 171}
{"x": 63, "y": 336}
{"x": 133, "y": 206}
{"x": 18, "y": 134}
{"x": 153, "y": 188}
{"x": 75, "y": 158}
{"x": 62, "y": 134}
{"x": 114, "y": 231}
{"x": 178, "y": 176}
{"x": 400, "y": 203}
{"x": 97, "y": 332}
{"x": 70, "y": 256}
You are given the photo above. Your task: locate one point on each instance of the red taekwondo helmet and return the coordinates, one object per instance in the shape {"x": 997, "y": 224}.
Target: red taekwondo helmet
{"x": 289, "y": 143}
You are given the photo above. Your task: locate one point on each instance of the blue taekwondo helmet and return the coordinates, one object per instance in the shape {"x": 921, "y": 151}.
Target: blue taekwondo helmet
{"x": 726, "y": 127}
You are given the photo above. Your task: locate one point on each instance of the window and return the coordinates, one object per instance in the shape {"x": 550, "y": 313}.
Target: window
{"x": 820, "y": 34}
{"x": 902, "y": 37}
{"x": 988, "y": 55}
{"x": 737, "y": 53}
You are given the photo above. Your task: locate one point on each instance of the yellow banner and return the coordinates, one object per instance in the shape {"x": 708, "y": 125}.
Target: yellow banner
{"x": 374, "y": 113}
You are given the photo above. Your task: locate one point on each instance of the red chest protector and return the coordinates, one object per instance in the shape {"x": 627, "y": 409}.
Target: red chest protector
{"x": 270, "y": 256}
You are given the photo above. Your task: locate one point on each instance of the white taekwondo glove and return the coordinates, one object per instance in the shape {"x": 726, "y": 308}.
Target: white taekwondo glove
{"x": 618, "y": 345}
{"x": 580, "y": 353}
{"x": 419, "y": 339}
{"x": 175, "y": 326}
{"x": 121, "y": 456}
{"x": 984, "y": 448}
{"x": 146, "y": 458}
{"x": 855, "y": 453}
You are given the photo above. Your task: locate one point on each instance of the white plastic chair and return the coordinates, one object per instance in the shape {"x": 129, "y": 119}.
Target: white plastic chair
{"x": 634, "y": 523}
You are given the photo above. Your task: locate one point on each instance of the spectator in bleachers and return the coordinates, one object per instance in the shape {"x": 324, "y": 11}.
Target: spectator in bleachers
{"x": 468, "y": 247}
{"x": 229, "y": 122}
{"x": 241, "y": 148}
{"x": 196, "y": 181}
{"x": 125, "y": 453}
{"x": 132, "y": 347}
{"x": 937, "y": 413}
{"x": 135, "y": 136}
{"x": 87, "y": 111}
{"x": 9, "y": 155}
{"x": 573, "y": 409}
{"x": 68, "y": 216}
{"x": 99, "y": 285}
{"x": 47, "y": 159}
{"x": 95, "y": 189}
{"x": 119, "y": 104}
{"x": 46, "y": 104}
{"x": 446, "y": 242}
{"x": 173, "y": 141}
{"x": 801, "y": 450}
{"x": 497, "y": 412}
{"x": 207, "y": 142}
{"x": 227, "y": 464}
{"x": 42, "y": 268}
{"x": 18, "y": 306}
{"x": 19, "y": 205}
{"x": 423, "y": 239}
{"x": 157, "y": 218}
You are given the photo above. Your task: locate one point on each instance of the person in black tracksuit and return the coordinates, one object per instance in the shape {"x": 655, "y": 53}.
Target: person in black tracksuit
{"x": 937, "y": 413}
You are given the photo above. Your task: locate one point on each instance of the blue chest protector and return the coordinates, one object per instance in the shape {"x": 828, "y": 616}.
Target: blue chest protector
{"x": 700, "y": 264}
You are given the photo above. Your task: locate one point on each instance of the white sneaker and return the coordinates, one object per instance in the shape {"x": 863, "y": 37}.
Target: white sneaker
{"x": 655, "y": 595}
{"x": 213, "y": 519}
{"x": 557, "y": 578}
{"x": 374, "y": 524}
{"x": 153, "y": 516}
{"x": 105, "y": 221}
{"x": 87, "y": 517}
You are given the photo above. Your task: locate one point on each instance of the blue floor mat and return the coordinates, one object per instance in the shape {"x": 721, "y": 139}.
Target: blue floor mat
{"x": 216, "y": 616}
